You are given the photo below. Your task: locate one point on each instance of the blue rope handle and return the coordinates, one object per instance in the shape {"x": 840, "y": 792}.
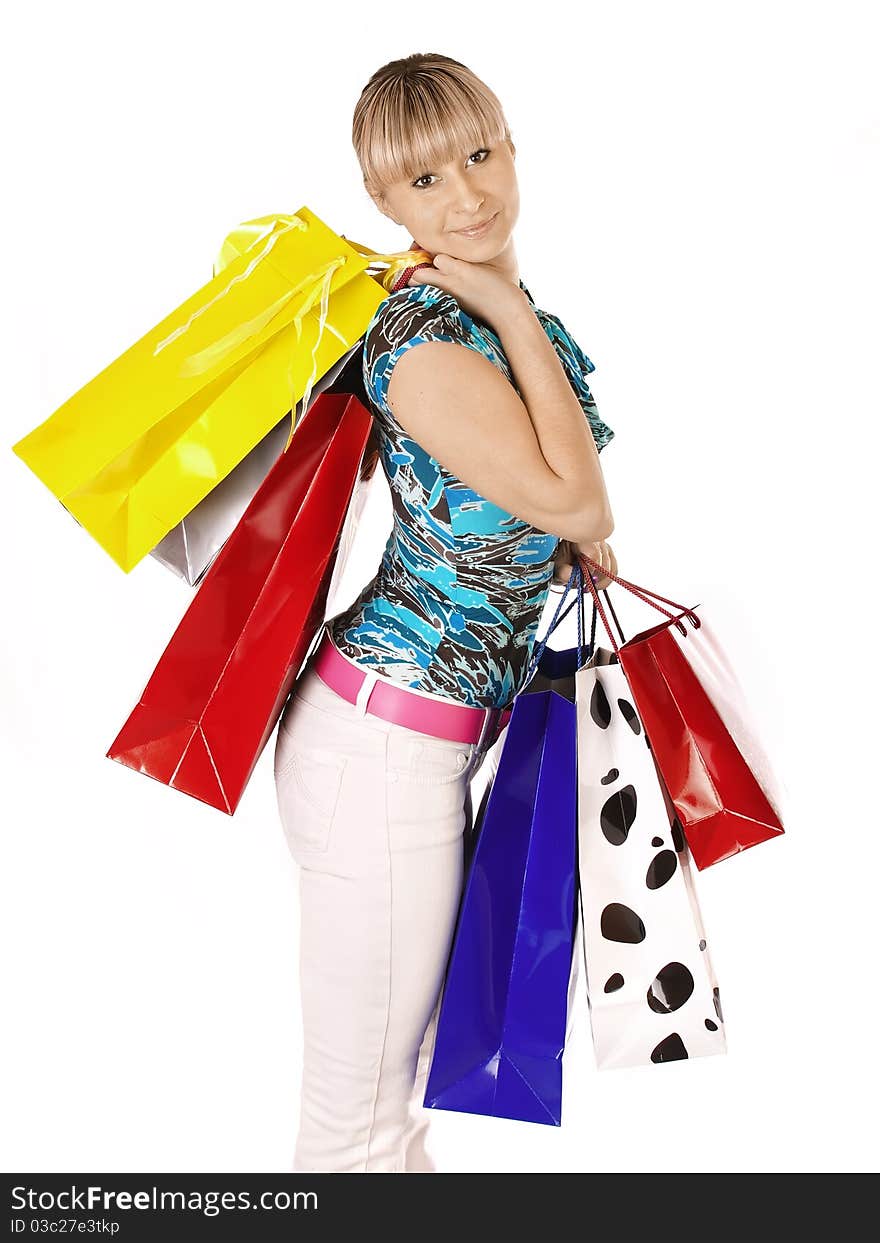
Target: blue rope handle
{"x": 578, "y": 577}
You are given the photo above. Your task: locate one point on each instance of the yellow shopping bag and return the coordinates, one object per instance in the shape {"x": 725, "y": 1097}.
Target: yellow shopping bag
{"x": 139, "y": 446}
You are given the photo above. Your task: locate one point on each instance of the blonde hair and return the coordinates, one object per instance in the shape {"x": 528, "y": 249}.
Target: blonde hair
{"x": 421, "y": 111}
{"x": 415, "y": 113}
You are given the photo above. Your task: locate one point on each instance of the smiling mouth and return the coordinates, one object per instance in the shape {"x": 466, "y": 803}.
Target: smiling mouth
{"x": 477, "y": 228}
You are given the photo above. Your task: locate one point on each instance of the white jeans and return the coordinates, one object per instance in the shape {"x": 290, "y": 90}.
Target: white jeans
{"x": 375, "y": 815}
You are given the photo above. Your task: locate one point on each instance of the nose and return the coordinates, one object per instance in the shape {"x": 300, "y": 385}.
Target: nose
{"x": 467, "y": 200}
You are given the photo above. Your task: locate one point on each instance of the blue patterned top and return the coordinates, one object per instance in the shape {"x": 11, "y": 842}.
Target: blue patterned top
{"x": 456, "y": 602}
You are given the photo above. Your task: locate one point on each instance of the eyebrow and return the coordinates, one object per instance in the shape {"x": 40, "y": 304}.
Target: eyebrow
{"x": 427, "y": 173}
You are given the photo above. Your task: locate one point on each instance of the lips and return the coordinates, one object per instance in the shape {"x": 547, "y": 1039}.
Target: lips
{"x": 476, "y": 228}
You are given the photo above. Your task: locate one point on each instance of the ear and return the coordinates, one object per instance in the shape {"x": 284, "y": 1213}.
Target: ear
{"x": 512, "y": 146}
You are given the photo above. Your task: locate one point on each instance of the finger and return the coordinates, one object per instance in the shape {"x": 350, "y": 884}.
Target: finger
{"x": 591, "y": 551}
{"x": 595, "y": 563}
{"x": 563, "y": 568}
{"x": 561, "y": 571}
{"x": 563, "y": 556}
{"x": 423, "y": 276}
{"x": 604, "y": 560}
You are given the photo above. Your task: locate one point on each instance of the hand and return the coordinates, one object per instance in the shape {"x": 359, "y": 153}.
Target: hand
{"x": 482, "y": 291}
{"x": 599, "y": 551}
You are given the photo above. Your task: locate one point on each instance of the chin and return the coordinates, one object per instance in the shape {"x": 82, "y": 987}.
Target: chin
{"x": 481, "y": 249}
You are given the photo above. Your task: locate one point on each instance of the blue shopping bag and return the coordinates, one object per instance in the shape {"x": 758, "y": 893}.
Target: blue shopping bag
{"x": 502, "y": 1020}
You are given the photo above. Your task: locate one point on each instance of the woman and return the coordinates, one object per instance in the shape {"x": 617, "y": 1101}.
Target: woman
{"x": 491, "y": 455}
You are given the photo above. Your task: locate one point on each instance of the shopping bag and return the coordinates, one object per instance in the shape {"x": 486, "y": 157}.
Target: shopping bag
{"x": 704, "y": 739}
{"x": 502, "y": 1021}
{"x": 140, "y": 445}
{"x": 220, "y": 685}
{"x": 189, "y": 547}
{"x": 652, "y": 991}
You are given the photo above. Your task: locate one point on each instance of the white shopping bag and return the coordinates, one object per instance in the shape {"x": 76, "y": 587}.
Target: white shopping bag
{"x": 652, "y": 992}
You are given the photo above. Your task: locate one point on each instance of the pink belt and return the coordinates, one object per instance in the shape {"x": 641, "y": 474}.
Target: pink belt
{"x": 455, "y": 722}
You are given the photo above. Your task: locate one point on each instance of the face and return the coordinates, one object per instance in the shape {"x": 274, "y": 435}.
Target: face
{"x": 436, "y": 204}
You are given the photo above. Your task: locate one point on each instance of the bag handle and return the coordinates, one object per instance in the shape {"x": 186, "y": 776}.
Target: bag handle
{"x": 403, "y": 279}
{"x": 400, "y": 263}
{"x": 257, "y": 238}
{"x": 642, "y": 593}
{"x": 575, "y": 576}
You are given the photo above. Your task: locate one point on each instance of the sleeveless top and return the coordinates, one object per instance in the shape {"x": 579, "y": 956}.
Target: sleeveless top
{"x": 455, "y": 604}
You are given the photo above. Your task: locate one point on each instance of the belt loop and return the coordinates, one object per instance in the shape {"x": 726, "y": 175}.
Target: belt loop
{"x": 366, "y": 688}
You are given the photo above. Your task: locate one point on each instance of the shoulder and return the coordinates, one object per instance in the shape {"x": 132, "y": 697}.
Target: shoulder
{"x": 416, "y": 311}
{"x": 410, "y": 316}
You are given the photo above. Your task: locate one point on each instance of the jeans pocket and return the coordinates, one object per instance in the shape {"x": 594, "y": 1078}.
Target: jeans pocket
{"x": 434, "y": 761}
{"x": 307, "y": 786}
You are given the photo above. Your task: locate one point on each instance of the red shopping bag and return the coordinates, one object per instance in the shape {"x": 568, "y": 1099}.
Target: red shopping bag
{"x": 702, "y": 736}
{"x": 219, "y": 687}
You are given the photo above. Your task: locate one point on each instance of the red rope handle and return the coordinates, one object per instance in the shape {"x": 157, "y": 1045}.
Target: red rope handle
{"x": 403, "y": 279}
{"x": 598, "y": 603}
{"x": 642, "y": 593}
{"x": 637, "y": 591}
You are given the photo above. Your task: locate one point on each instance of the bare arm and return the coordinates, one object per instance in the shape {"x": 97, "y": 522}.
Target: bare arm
{"x": 564, "y": 435}
{"x": 535, "y": 458}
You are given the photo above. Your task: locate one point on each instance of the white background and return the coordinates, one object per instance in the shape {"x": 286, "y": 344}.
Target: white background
{"x": 699, "y": 205}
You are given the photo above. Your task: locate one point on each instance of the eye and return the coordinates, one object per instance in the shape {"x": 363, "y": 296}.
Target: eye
{"x": 484, "y": 151}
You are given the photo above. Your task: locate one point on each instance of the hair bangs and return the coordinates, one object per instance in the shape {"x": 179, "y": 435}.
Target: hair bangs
{"x": 414, "y": 121}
